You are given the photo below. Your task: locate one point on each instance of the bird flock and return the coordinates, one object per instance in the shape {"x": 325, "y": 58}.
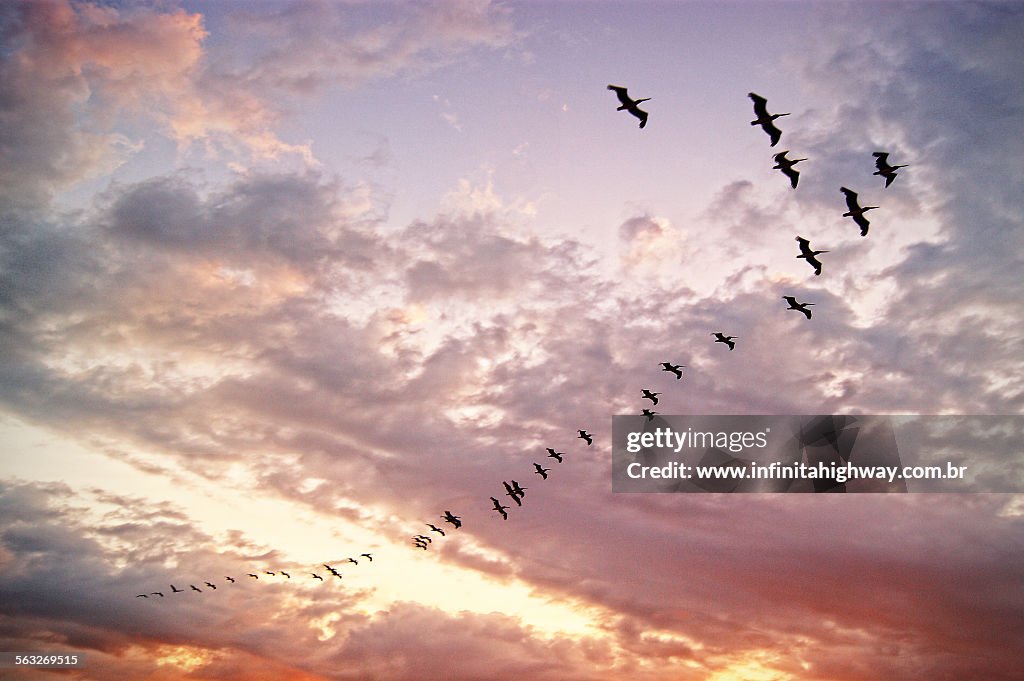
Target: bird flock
{"x": 512, "y": 488}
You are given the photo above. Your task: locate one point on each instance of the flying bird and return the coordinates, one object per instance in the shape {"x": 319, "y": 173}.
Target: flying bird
{"x": 176, "y": 590}
{"x": 799, "y": 307}
{"x": 196, "y": 588}
{"x": 584, "y": 435}
{"x": 855, "y": 211}
{"x": 453, "y": 519}
{"x": 420, "y": 545}
{"x": 435, "y": 528}
{"x": 883, "y": 168}
{"x": 424, "y": 538}
{"x": 332, "y": 570}
{"x": 512, "y": 493}
{"x": 353, "y": 561}
{"x": 253, "y": 576}
{"x": 765, "y": 119}
{"x": 286, "y": 574}
{"x": 211, "y": 586}
{"x": 500, "y": 509}
{"x": 630, "y": 104}
{"x": 722, "y": 338}
{"x": 540, "y": 470}
{"x": 316, "y": 576}
{"x": 230, "y": 579}
{"x": 674, "y": 368}
{"x": 367, "y": 556}
{"x": 158, "y": 593}
{"x": 521, "y": 491}
{"x": 268, "y": 572}
{"x": 648, "y": 395}
{"x": 142, "y": 596}
{"x": 786, "y": 166}
{"x": 649, "y": 414}
{"x": 807, "y": 254}
{"x": 552, "y": 454}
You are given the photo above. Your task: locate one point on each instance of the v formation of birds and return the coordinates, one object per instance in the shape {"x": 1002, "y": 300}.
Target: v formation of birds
{"x": 512, "y": 488}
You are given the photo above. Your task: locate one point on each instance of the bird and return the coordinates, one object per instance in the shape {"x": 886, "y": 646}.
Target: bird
{"x": 512, "y": 493}
{"x": 500, "y": 509}
{"x": 552, "y": 454}
{"x": 674, "y": 368}
{"x": 584, "y": 435}
{"x": 649, "y": 414}
{"x": 630, "y": 104}
{"x": 420, "y": 545}
{"x": 353, "y": 561}
{"x": 230, "y": 579}
{"x": 286, "y": 574}
{"x": 521, "y": 491}
{"x": 268, "y": 572}
{"x": 142, "y": 596}
{"x": 211, "y": 586}
{"x": 883, "y": 168}
{"x": 855, "y": 211}
{"x": 425, "y": 538}
{"x": 765, "y": 119}
{"x": 807, "y": 254}
{"x": 176, "y": 590}
{"x": 158, "y": 593}
{"x": 648, "y": 395}
{"x": 435, "y": 528}
{"x": 453, "y": 519}
{"x": 786, "y": 166}
{"x": 196, "y": 588}
{"x": 722, "y": 338}
{"x": 253, "y": 576}
{"x": 367, "y": 556}
{"x": 316, "y": 576}
{"x": 799, "y": 307}
{"x": 540, "y": 470}
{"x": 332, "y": 570}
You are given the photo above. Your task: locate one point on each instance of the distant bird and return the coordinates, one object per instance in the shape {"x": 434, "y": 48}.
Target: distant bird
{"x": 722, "y": 338}
{"x": 253, "y": 576}
{"x": 540, "y": 470}
{"x": 807, "y": 254}
{"x": 799, "y": 307}
{"x": 435, "y": 528}
{"x": 286, "y": 574}
{"x": 196, "y": 588}
{"x": 316, "y": 576}
{"x": 176, "y": 590}
{"x": 786, "y": 166}
{"x": 765, "y": 119}
{"x": 230, "y": 579}
{"x": 158, "y": 593}
{"x": 211, "y": 586}
{"x": 552, "y": 454}
{"x": 649, "y": 414}
{"x": 883, "y": 168}
{"x": 142, "y": 596}
{"x": 500, "y": 509}
{"x": 674, "y": 368}
{"x": 584, "y": 435}
{"x": 332, "y": 570}
{"x": 512, "y": 493}
{"x": 855, "y": 211}
{"x": 648, "y": 395}
{"x": 353, "y": 561}
{"x": 367, "y": 556}
{"x": 521, "y": 491}
{"x": 268, "y": 572}
{"x": 630, "y": 104}
{"x": 420, "y": 545}
{"x": 423, "y": 537}
{"x": 453, "y": 519}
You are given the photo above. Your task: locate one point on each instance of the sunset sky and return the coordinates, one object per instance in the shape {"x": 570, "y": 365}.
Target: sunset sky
{"x": 282, "y": 282}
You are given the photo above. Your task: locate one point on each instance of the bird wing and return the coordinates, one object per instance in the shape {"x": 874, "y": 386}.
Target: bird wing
{"x": 760, "y": 104}
{"x": 622, "y": 94}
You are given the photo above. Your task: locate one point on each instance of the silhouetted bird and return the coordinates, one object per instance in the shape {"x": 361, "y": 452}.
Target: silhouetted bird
{"x": 453, "y": 519}
{"x": 584, "y": 435}
{"x": 884, "y": 169}
{"x": 855, "y": 211}
{"x": 268, "y": 572}
{"x": 540, "y": 470}
{"x": 196, "y": 588}
{"x": 521, "y": 491}
{"x": 253, "y": 576}
{"x": 648, "y": 395}
{"x": 286, "y": 574}
{"x": 722, "y": 338}
{"x": 799, "y": 307}
{"x": 765, "y": 119}
{"x": 230, "y": 579}
{"x": 500, "y": 509}
{"x": 629, "y": 104}
{"x": 332, "y": 570}
{"x": 316, "y": 576}
{"x": 435, "y": 528}
{"x": 807, "y": 254}
{"x": 419, "y": 544}
{"x": 367, "y": 556}
{"x": 552, "y": 454}
{"x": 786, "y": 166}
{"x": 158, "y": 593}
{"x": 211, "y": 586}
{"x": 674, "y": 368}
{"x": 142, "y": 596}
{"x": 176, "y": 590}
{"x": 353, "y": 561}
{"x": 649, "y": 414}
{"x": 423, "y": 537}
{"x": 512, "y": 493}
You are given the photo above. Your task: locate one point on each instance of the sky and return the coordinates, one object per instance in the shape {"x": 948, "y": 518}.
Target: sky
{"x": 281, "y": 283}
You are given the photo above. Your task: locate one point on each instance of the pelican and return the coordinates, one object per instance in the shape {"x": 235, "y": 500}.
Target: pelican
{"x": 453, "y": 519}
{"x": 799, "y": 307}
{"x": 316, "y": 576}
{"x": 552, "y": 454}
{"x": 855, "y": 211}
{"x": 142, "y": 596}
{"x": 884, "y": 169}
{"x": 230, "y": 579}
{"x": 176, "y": 590}
{"x": 196, "y": 588}
{"x": 807, "y": 254}
{"x": 435, "y": 528}
{"x": 722, "y": 338}
{"x": 286, "y": 574}
{"x": 424, "y": 538}
{"x": 630, "y": 104}
{"x": 367, "y": 556}
{"x": 253, "y": 576}
{"x": 786, "y": 166}
{"x": 648, "y": 395}
{"x": 584, "y": 435}
{"x": 521, "y": 491}
{"x": 674, "y": 368}
{"x": 500, "y": 509}
{"x": 765, "y": 119}
{"x": 540, "y": 470}
{"x": 512, "y": 493}
{"x": 649, "y": 414}
{"x": 211, "y": 586}
{"x": 158, "y": 593}
{"x": 353, "y": 561}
